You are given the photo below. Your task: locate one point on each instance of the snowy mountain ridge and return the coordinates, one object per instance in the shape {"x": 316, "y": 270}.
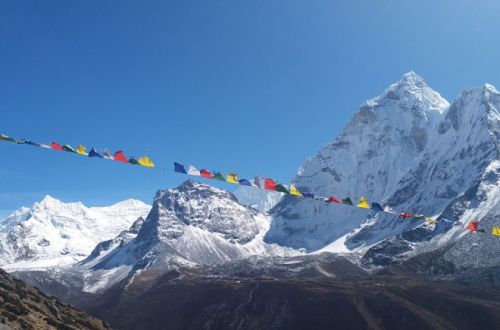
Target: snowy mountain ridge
{"x": 53, "y": 233}
{"x": 192, "y": 225}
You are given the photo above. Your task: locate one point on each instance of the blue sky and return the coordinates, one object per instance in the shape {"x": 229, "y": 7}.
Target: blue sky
{"x": 246, "y": 86}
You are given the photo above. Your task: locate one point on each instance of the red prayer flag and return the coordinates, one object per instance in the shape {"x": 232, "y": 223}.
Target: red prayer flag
{"x": 405, "y": 215}
{"x": 56, "y": 146}
{"x": 333, "y": 199}
{"x": 120, "y": 157}
{"x": 269, "y": 184}
{"x": 472, "y": 226}
{"x": 205, "y": 173}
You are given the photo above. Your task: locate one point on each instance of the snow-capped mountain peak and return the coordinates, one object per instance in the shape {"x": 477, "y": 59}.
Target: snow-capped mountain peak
{"x": 489, "y": 87}
{"x": 190, "y": 225}
{"x": 411, "y": 93}
{"x": 407, "y": 148}
{"x": 48, "y": 200}
{"x": 473, "y": 113}
{"x": 197, "y": 205}
{"x": 52, "y": 204}
{"x": 409, "y": 82}
{"x": 54, "y": 233}
{"x": 195, "y": 190}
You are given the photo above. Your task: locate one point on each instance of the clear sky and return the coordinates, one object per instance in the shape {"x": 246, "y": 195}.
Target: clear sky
{"x": 248, "y": 86}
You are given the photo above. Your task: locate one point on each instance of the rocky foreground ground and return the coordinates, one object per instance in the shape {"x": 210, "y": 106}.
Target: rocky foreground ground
{"x": 26, "y": 307}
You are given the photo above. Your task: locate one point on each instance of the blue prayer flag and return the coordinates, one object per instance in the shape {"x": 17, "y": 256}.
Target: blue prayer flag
{"x": 94, "y": 153}
{"x": 179, "y": 168}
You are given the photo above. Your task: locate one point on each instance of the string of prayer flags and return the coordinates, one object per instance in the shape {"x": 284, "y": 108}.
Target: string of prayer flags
{"x": 268, "y": 183}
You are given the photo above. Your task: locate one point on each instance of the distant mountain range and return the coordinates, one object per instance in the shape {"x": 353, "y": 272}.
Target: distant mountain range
{"x": 54, "y": 234}
{"x": 408, "y": 149}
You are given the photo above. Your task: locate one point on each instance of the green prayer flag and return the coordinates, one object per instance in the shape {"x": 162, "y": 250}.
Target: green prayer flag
{"x": 218, "y": 176}
{"x": 6, "y": 138}
{"x": 281, "y": 188}
{"x": 69, "y": 148}
{"x": 347, "y": 201}
{"x": 133, "y": 161}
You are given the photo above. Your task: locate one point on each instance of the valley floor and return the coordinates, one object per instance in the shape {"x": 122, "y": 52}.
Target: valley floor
{"x": 393, "y": 301}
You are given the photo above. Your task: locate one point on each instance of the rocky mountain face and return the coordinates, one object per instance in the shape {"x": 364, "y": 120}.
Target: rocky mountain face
{"x": 470, "y": 258}
{"x": 25, "y": 307}
{"x": 473, "y": 122}
{"x": 192, "y": 225}
{"x": 412, "y": 151}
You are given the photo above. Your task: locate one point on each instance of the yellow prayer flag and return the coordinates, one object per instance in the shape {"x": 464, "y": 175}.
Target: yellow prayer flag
{"x": 145, "y": 161}
{"x": 233, "y": 178}
{"x": 429, "y": 219}
{"x": 82, "y": 150}
{"x": 295, "y": 191}
{"x": 363, "y": 203}
{"x": 496, "y": 231}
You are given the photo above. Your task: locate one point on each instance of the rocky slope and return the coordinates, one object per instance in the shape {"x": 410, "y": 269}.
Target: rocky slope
{"x": 25, "y": 307}
{"x": 336, "y": 295}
